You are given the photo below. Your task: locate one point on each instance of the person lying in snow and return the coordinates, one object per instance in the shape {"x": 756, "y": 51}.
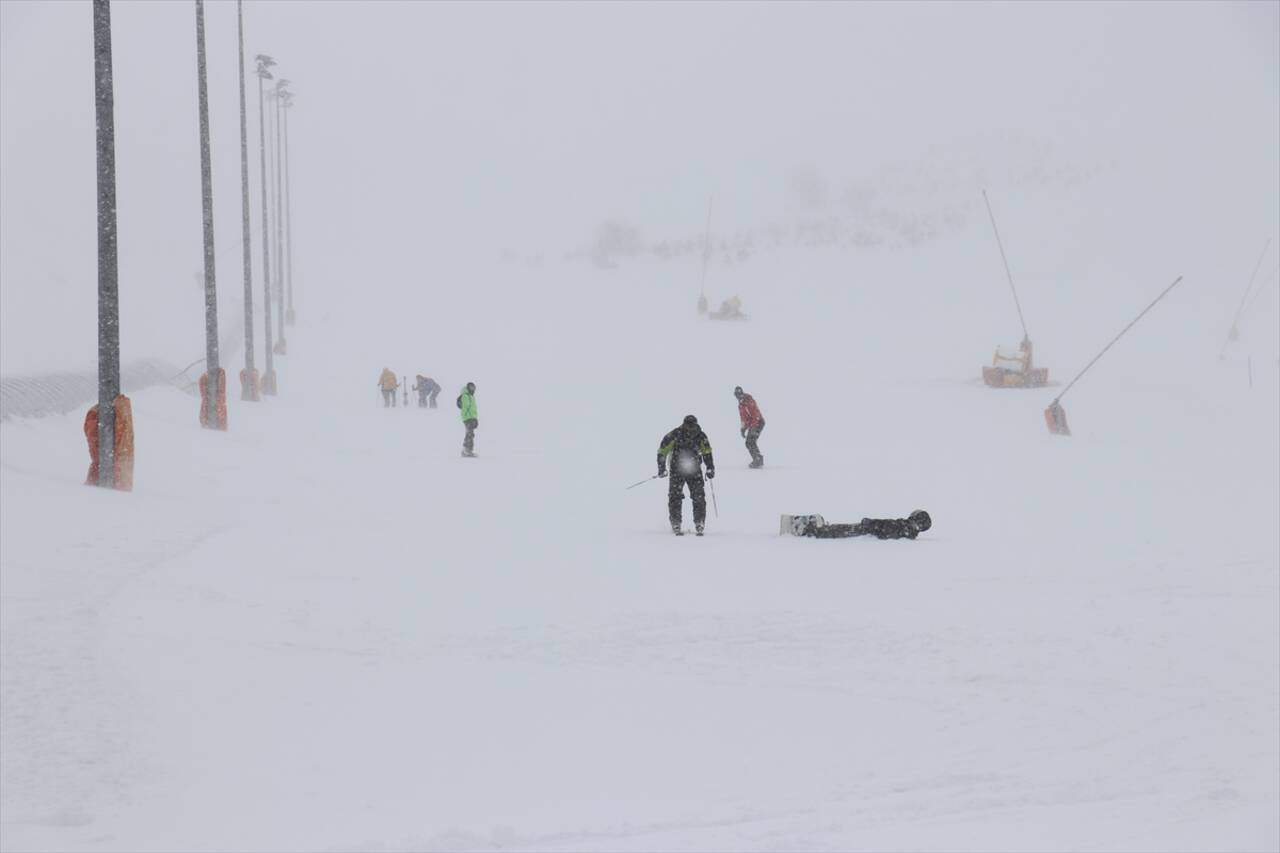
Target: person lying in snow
{"x": 815, "y": 526}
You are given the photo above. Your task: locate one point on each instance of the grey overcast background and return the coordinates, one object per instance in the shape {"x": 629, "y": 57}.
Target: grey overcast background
{"x": 325, "y": 629}
{"x": 426, "y": 133}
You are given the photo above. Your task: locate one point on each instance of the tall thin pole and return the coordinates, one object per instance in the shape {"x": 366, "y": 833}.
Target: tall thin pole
{"x": 279, "y": 218}
{"x": 288, "y": 211}
{"x": 1234, "y": 332}
{"x": 1007, "y": 272}
{"x": 1132, "y": 322}
{"x": 271, "y": 193}
{"x": 706, "y": 250}
{"x": 274, "y": 276}
{"x": 108, "y": 290}
{"x": 269, "y": 379}
{"x": 206, "y": 186}
{"x": 1252, "y": 299}
{"x": 244, "y": 206}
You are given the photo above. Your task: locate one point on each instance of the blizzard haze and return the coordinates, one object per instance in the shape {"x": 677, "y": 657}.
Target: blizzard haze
{"x": 324, "y": 630}
{"x": 429, "y": 134}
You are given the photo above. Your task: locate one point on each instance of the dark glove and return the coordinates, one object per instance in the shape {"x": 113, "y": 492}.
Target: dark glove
{"x": 662, "y": 472}
{"x": 743, "y": 432}
{"x": 711, "y": 473}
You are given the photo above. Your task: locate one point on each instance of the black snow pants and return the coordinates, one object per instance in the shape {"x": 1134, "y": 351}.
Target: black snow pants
{"x": 427, "y": 393}
{"x": 675, "y": 497}
{"x": 469, "y": 441}
{"x": 833, "y": 531}
{"x": 753, "y": 433}
{"x": 881, "y": 528}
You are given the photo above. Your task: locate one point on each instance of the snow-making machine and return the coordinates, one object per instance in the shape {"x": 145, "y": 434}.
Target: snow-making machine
{"x": 1012, "y": 369}
{"x": 1015, "y": 369}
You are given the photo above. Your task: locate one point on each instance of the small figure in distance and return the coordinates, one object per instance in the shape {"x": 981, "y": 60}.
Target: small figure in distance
{"x": 427, "y": 389}
{"x": 470, "y": 418}
{"x": 387, "y": 381}
{"x": 752, "y": 425}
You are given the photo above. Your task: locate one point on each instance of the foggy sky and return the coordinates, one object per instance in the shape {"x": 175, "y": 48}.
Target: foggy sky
{"x": 427, "y": 132}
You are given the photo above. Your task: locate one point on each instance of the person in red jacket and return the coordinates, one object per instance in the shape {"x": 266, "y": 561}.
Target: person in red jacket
{"x": 752, "y": 425}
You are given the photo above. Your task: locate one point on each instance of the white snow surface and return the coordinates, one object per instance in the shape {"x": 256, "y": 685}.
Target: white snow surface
{"x": 324, "y": 630}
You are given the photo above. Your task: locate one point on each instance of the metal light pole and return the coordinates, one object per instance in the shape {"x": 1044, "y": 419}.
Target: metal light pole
{"x": 290, "y": 316}
{"x": 281, "y": 344}
{"x": 250, "y": 388}
{"x": 273, "y": 277}
{"x": 206, "y": 185}
{"x": 108, "y": 293}
{"x": 268, "y": 378}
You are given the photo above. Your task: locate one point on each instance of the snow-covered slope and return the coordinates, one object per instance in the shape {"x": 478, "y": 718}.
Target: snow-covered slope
{"x": 325, "y": 630}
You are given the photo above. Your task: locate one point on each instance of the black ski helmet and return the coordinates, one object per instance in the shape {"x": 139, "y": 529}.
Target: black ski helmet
{"x": 690, "y": 421}
{"x": 738, "y": 392}
{"x": 921, "y": 519}
{"x": 471, "y": 387}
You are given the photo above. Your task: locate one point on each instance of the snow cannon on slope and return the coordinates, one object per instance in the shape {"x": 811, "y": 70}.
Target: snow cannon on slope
{"x": 1055, "y": 417}
{"x": 730, "y": 309}
{"x": 1015, "y": 370}
{"x": 1012, "y": 370}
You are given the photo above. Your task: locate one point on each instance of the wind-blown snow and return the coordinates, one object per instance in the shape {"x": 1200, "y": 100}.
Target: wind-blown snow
{"x": 324, "y": 630}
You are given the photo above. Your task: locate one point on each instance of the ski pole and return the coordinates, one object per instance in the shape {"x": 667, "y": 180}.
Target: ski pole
{"x": 642, "y": 482}
{"x": 712, "y": 483}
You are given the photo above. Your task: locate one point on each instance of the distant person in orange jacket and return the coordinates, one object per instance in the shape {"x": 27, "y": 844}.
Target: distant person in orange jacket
{"x": 387, "y": 382}
{"x": 752, "y": 425}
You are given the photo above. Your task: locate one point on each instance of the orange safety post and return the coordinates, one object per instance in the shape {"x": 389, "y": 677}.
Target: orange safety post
{"x": 250, "y": 385}
{"x": 123, "y": 457}
{"x": 269, "y": 386}
{"x": 220, "y": 405}
{"x": 1055, "y": 417}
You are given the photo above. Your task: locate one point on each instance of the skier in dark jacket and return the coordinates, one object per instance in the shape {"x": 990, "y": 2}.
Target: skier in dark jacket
{"x": 882, "y": 528}
{"x": 752, "y": 425}
{"x": 688, "y": 447}
{"x": 428, "y": 389}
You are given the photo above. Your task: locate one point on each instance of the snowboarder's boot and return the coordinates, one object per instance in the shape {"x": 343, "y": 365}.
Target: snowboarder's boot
{"x": 757, "y": 463}
{"x": 677, "y": 530}
{"x": 699, "y": 530}
{"x": 468, "y": 454}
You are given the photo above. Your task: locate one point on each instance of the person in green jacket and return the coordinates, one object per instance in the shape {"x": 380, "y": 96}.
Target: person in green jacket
{"x": 467, "y": 407}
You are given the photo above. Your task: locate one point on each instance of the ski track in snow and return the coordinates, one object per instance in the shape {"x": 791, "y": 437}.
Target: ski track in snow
{"x": 324, "y": 630}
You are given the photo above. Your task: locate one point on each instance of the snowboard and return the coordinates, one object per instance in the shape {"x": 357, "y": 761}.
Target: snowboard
{"x": 796, "y": 524}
